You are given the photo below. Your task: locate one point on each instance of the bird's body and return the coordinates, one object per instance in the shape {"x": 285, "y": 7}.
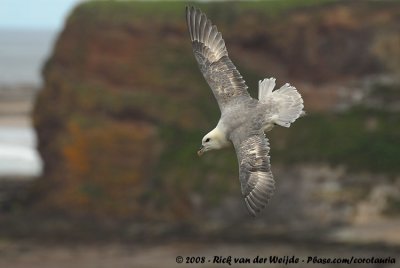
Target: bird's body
{"x": 243, "y": 119}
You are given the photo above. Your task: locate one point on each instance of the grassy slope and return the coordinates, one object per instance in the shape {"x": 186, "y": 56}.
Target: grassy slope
{"x": 344, "y": 139}
{"x": 126, "y": 11}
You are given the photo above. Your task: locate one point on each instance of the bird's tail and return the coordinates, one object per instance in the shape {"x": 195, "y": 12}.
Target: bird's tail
{"x": 287, "y": 100}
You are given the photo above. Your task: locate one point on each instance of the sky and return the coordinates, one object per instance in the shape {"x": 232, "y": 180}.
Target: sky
{"x": 28, "y": 29}
{"x": 34, "y": 14}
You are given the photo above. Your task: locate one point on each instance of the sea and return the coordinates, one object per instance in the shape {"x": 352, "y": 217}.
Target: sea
{"x": 22, "y": 55}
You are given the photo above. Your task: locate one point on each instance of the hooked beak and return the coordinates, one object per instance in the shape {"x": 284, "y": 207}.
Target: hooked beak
{"x": 201, "y": 151}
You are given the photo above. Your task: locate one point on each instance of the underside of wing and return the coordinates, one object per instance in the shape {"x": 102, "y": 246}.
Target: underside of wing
{"x": 255, "y": 172}
{"x": 211, "y": 55}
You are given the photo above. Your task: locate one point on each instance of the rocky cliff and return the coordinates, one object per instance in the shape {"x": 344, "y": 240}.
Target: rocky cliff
{"x": 124, "y": 107}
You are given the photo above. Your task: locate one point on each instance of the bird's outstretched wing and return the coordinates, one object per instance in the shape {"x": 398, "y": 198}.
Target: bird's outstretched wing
{"x": 212, "y": 57}
{"x": 254, "y": 171}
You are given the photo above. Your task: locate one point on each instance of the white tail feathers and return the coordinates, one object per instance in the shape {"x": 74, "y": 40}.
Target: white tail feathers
{"x": 287, "y": 101}
{"x": 265, "y": 88}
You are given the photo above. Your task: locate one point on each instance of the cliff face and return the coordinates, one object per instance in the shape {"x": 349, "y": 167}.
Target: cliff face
{"x": 124, "y": 106}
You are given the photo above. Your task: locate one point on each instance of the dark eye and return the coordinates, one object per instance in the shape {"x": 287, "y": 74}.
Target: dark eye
{"x": 208, "y": 139}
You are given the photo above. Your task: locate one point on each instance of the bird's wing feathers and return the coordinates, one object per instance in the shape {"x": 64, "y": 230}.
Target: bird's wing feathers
{"x": 211, "y": 55}
{"x": 254, "y": 171}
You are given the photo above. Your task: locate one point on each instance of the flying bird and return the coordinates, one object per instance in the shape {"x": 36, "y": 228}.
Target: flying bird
{"x": 244, "y": 120}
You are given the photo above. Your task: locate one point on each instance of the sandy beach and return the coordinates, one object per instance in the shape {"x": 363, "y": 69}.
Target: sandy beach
{"x": 28, "y": 254}
{"x": 18, "y": 155}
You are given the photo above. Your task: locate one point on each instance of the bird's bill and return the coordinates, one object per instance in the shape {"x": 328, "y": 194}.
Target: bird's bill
{"x": 201, "y": 151}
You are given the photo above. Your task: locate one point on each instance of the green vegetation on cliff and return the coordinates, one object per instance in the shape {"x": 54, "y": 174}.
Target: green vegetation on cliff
{"x": 360, "y": 139}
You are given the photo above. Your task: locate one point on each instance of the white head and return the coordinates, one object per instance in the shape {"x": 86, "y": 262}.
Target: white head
{"x": 215, "y": 139}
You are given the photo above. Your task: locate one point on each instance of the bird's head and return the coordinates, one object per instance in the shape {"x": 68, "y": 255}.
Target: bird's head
{"x": 215, "y": 139}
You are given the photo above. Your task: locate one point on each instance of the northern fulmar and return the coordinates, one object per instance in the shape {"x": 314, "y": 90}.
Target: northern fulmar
{"x": 244, "y": 120}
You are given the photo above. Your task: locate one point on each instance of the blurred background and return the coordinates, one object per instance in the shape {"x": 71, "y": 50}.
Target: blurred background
{"x": 103, "y": 107}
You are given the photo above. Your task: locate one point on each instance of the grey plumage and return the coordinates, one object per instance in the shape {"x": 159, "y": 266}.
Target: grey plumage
{"x": 255, "y": 175}
{"x": 243, "y": 119}
{"x": 210, "y": 52}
